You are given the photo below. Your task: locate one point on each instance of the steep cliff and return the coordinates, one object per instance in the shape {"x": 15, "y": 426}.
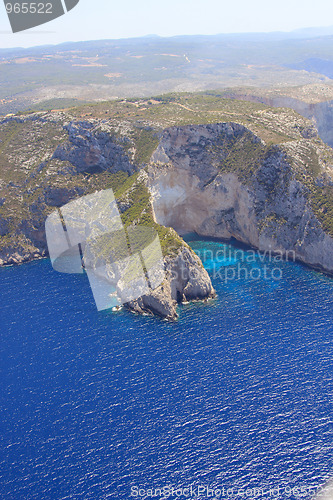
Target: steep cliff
{"x": 71, "y": 160}
{"x": 191, "y": 162}
{"x": 222, "y": 181}
{"x": 320, "y": 113}
{"x": 314, "y": 102}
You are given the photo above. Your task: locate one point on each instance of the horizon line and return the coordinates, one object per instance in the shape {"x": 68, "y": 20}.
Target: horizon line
{"x": 244, "y": 33}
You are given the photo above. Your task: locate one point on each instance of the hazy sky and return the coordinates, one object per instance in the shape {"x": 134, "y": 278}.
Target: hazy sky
{"x": 97, "y": 19}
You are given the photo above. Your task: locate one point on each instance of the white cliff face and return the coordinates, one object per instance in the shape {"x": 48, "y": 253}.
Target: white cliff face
{"x": 189, "y": 191}
{"x": 181, "y": 203}
{"x": 218, "y": 180}
{"x": 269, "y": 210}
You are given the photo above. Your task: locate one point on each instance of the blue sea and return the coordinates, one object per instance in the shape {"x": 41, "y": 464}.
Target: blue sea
{"x": 233, "y": 401}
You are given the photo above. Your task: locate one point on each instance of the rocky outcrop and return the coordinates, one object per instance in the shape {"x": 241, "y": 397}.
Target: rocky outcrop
{"x": 20, "y": 254}
{"x": 186, "y": 280}
{"x": 87, "y": 148}
{"x": 267, "y": 208}
{"x": 93, "y": 151}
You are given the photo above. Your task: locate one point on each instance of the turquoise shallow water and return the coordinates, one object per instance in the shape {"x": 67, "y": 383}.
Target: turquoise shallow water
{"x": 236, "y": 394}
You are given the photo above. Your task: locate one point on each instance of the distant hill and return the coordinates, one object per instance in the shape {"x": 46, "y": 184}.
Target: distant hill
{"x": 108, "y": 69}
{"x": 315, "y": 65}
{"x": 313, "y": 32}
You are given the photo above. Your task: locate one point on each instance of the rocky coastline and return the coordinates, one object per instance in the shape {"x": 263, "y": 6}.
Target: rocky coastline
{"x": 220, "y": 180}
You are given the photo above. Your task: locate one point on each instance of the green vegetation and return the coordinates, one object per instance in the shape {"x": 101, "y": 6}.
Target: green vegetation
{"x": 136, "y": 194}
{"x": 29, "y": 172}
{"x": 146, "y": 141}
{"x": 148, "y": 118}
{"x": 321, "y": 200}
{"x": 131, "y": 191}
{"x": 243, "y": 155}
{"x": 38, "y": 74}
{"x": 57, "y": 103}
{"x": 140, "y": 210}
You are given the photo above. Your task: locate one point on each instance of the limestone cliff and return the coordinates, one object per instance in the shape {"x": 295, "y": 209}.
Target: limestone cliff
{"x": 86, "y": 158}
{"x": 194, "y": 163}
{"x": 264, "y": 201}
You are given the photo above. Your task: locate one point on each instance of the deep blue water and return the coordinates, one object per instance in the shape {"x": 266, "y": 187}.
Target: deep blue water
{"x": 237, "y": 393}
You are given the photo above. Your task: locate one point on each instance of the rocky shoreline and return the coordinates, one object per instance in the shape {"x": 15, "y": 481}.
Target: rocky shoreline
{"x": 17, "y": 259}
{"x": 186, "y": 280}
{"x": 219, "y": 180}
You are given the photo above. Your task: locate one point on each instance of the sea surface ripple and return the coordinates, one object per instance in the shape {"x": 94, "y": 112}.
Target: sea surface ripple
{"x": 236, "y": 394}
